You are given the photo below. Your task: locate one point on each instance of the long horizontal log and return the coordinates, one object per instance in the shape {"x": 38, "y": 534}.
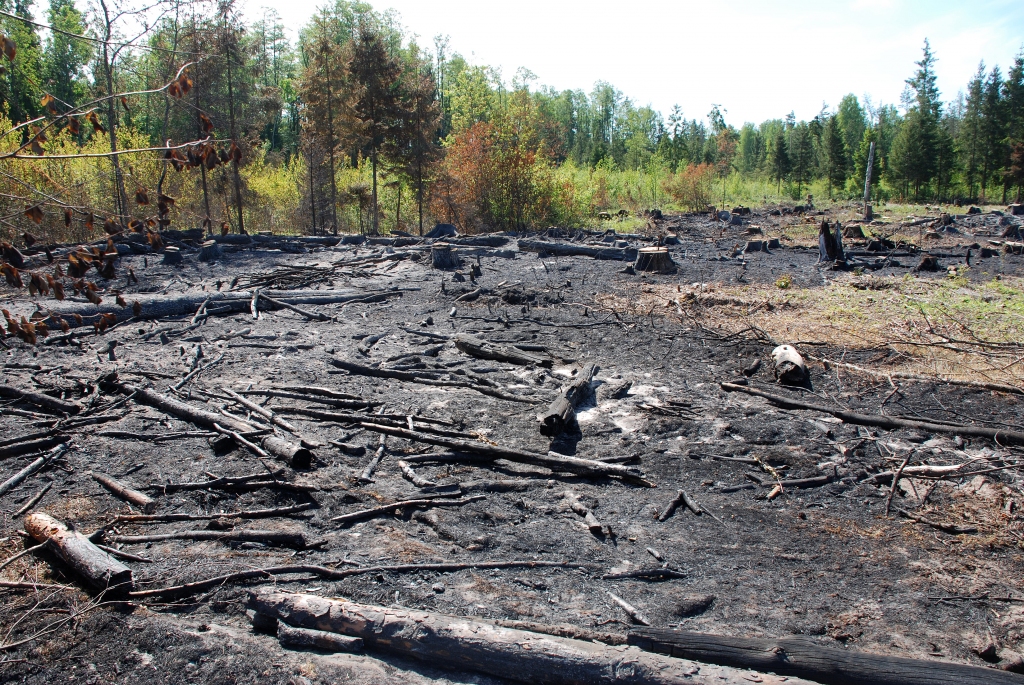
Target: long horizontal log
{"x": 584, "y": 467}
{"x": 140, "y": 499}
{"x": 466, "y": 644}
{"x": 159, "y": 306}
{"x": 889, "y": 422}
{"x": 372, "y": 372}
{"x": 77, "y": 551}
{"x": 269, "y": 537}
{"x": 19, "y": 448}
{"x": 483, "y": 349}
{"x": 394, "y": 506}
{"x": 572, "y": 250}
{"x": 316, "y": 639}
{"x": 251, "y": 514}
{"x": 335, "y": 574}
{"x": 803, "y": 658}
{"x": 295, "y": 455}
{"x": 18, "y": 478}
{"x": 39, "y": 399}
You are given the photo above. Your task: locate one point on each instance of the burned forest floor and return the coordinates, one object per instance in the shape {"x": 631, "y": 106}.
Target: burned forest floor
{"x": 801, "y": 531}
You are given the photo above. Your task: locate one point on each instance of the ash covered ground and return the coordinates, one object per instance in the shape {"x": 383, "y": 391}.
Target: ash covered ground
{"x": 822, "y": 562}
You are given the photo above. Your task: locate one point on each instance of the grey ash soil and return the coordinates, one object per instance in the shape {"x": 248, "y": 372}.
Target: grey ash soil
{"x": 822, "y": 562}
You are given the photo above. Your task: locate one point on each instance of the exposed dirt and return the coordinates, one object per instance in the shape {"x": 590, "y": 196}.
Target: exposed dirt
{"x": 822, "y": 562}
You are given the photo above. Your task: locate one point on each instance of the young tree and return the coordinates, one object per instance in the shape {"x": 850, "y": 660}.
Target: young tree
{"x": 852, "y": 124}
{"x": 779, "y": 159}
{"x": 833, "y": 151}
{"x": 801, "y": 146}
{"x": 923, "y": 115}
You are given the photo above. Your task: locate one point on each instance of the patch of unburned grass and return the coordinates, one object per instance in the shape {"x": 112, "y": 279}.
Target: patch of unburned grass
{"x": 948, "y": 327}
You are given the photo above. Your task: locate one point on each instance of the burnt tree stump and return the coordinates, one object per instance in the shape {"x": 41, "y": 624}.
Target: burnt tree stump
{"x": 172, "y": 255}
{"x": 654, "y": 259}
{"x": 209, "y": 251}
{"x": 443, "y": 256}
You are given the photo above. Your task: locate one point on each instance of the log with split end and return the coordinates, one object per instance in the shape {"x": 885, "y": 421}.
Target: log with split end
{"x": 94, "y": 565}
{"x": 562, "y": 411}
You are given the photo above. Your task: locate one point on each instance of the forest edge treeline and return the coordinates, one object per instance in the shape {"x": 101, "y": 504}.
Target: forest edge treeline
{"x": 357, "y": 127}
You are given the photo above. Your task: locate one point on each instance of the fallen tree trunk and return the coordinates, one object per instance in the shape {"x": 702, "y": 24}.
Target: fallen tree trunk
{"x": 583, "y": 467}
{"x": 316, "y": 639}
{"x": 159, "y": 306}
{"x": 483, "y": 349}
{"x": 394, "y": 506}
{"x": 267, "y": 537}
{"x": 39, "y": 399}
{"x": 19, "y": 448}
{"x": 889, "y": 422}
{"x": 372, "y": 372}
{"x": 562, "y": 411}
{"x": 295, "y": 455}
{"x": 570, "y": 250}
{"x": 87, "y": 560}
{"x": 805, "y": 659}
{"x": 18, "y": 478}
{"x": 143, "y": 501}
{"x": 466, "y": 644}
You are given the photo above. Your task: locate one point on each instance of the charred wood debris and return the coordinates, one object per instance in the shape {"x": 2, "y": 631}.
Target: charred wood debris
{"x": 232, "y": 426}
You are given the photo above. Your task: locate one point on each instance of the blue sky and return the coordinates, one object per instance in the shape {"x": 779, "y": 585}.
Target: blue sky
{"x": 757, "y": 59}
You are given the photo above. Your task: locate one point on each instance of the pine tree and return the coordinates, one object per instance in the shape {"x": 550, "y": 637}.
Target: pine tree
{"x": 64, "y": 58}
{"x": 994, "y": 151}
{"x": 801, "y": 145}
{"x": 778, "y": 159}
{"x": 969, "y": 140}
{"x": 377, "y": 115}
{"x": 833, "y": 154}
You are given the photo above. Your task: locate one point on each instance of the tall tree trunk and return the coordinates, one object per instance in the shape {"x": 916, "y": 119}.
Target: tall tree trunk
{"x": 312, "y": 197}
{"x": 167, "y": 100}
{"x": 419, "y": 190}
{"x": 121, "y": 200}
{"x": 376, "y": 213}
{"x": 234, "y": 137}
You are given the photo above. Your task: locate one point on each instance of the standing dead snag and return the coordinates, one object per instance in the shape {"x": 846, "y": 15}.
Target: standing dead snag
{"x": 85, "y": 558}
{"x": 562, "y": 411}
